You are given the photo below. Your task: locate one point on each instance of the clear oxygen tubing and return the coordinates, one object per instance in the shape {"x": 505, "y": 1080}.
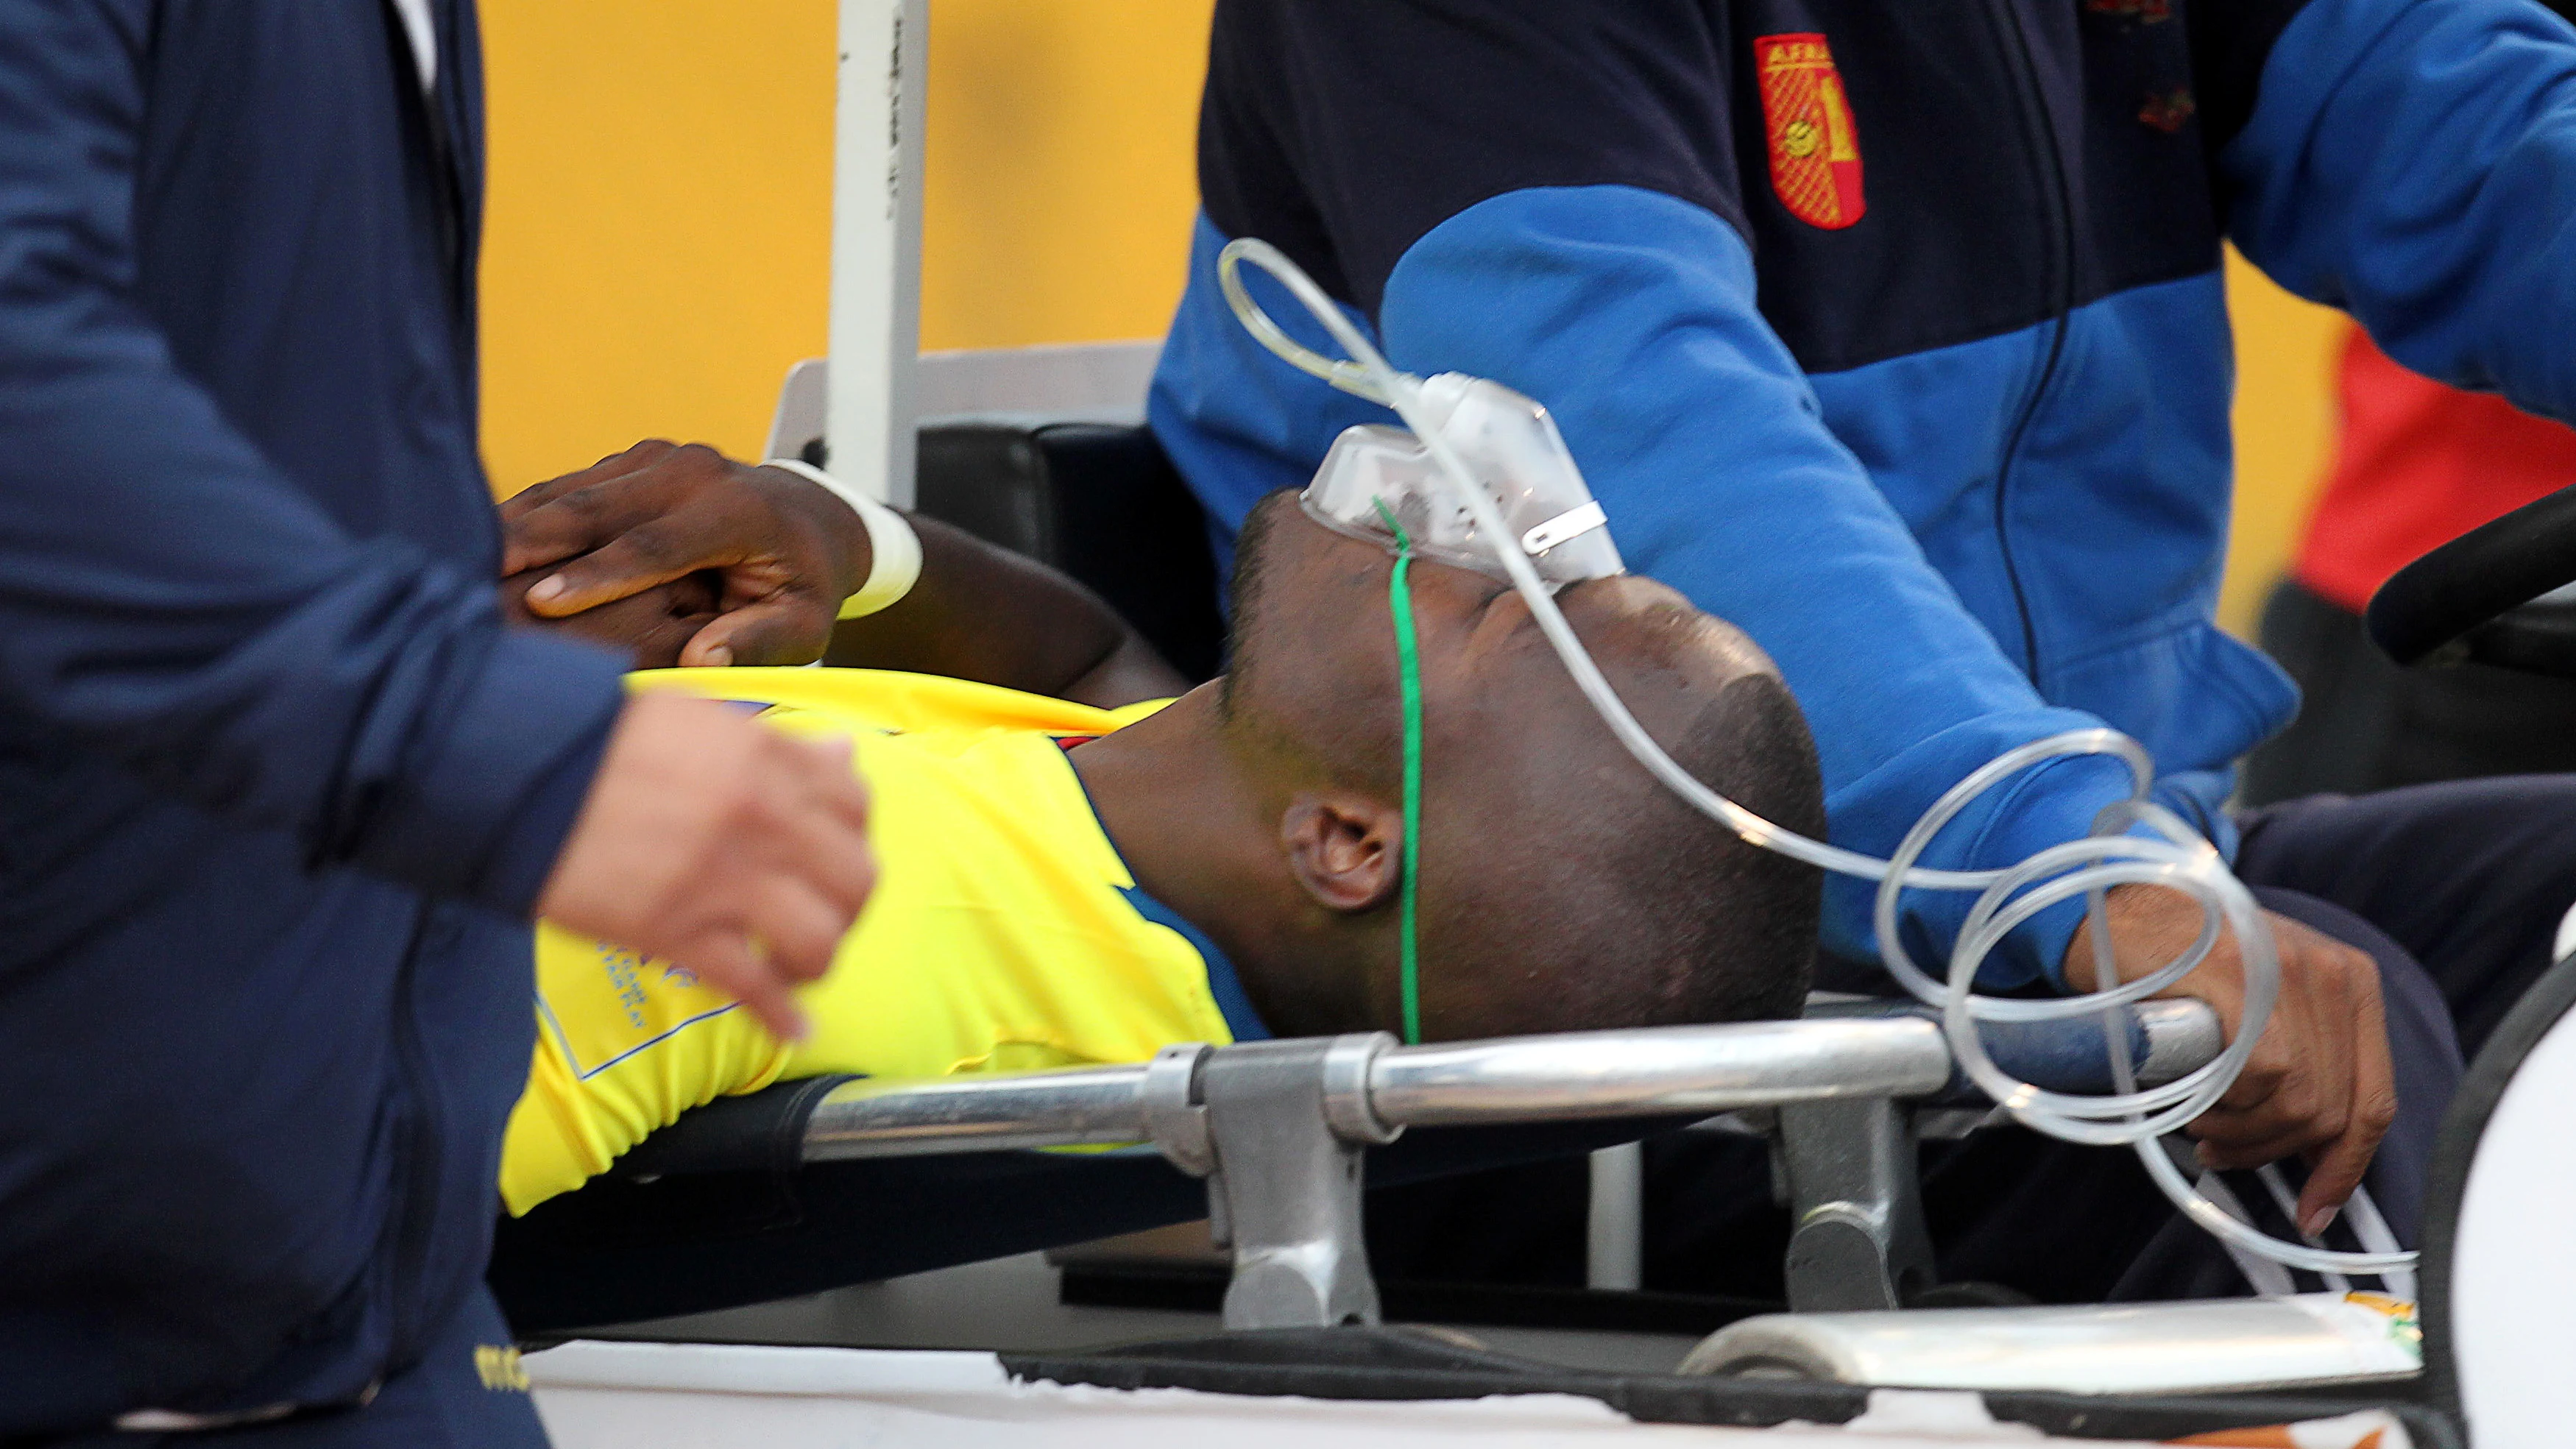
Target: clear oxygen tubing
{"x": 2135, "y": 842}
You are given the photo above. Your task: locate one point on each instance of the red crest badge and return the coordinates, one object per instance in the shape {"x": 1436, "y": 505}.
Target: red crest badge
{"x": 1815, "y": 149}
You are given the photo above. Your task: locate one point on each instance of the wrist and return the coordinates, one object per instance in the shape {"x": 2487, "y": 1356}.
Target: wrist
{"x": 892, "y": 551}
{"x": 485, "y": 816}
{"x": 2050, "y": 804}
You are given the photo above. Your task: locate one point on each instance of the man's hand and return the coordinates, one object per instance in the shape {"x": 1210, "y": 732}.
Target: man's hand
{"x": 788, "y": 551}
{"x": 2319, "y": 1082}
{"x": 722, "y": 845}
{"x": 650, "y": 628}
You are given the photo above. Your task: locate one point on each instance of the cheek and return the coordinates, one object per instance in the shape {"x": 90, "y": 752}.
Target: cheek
{"x": 1476, "y": 716}
{"x": 1340, "y": 630}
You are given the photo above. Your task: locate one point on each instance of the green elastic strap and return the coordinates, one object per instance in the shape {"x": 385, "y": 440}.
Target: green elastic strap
{"x": 1399, "y": 602}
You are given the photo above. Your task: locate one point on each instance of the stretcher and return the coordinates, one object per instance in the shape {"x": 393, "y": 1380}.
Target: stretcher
{"x": 1278, "y": 1137}
{"x": 943, "y": 1195}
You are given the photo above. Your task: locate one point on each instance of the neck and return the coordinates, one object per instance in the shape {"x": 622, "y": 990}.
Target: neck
{"x": 1197, "y": 833}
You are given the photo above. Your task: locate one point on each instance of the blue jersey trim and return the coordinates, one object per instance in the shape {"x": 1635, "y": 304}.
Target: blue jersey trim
{"x": 1223, "y": 983}
{"x": 581, "y": 1073}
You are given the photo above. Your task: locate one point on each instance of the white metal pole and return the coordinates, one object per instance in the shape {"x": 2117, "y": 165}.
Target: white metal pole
{"x": 876, "y": 244}
{"x": 1614, "y": 1249}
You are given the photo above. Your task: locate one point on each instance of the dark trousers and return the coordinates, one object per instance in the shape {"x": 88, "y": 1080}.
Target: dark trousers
{"x": 463, "y": 1394}
{"x": 2455, "y": 890}
{"x": 2365, "y": 724}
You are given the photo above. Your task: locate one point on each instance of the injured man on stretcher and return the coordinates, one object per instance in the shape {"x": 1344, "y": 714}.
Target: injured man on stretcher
{"x": 1079, "y": 868}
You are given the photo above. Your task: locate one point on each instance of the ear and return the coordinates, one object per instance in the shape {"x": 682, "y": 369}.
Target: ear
{"x": 1346, "y": 850}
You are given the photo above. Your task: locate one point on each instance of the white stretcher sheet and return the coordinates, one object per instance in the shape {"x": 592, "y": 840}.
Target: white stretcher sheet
{"x": 644, "y": 1396}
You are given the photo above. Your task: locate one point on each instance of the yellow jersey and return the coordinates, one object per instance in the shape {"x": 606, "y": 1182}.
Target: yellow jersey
{"x": 1005, "y": 933}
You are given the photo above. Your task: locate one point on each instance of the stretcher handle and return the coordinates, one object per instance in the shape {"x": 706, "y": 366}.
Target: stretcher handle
{"x": 1860, "y": 1048}
{"x": 1568, "y": 1076}
{"x": 2464, "y": 600}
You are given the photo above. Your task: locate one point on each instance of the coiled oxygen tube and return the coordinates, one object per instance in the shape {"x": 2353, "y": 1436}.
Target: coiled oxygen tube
{"x": 2164, "y": 851}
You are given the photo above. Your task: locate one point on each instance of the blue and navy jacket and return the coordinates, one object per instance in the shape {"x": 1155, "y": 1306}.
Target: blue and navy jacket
{"x": 1893, "y": 330}
{"x": 277, "y": 789}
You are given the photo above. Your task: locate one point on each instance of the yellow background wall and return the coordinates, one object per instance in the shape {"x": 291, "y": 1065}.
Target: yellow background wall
{"x": 660, "y": 202}
{"x": 2284, "y": 426}
{"x": 660, "y": 220}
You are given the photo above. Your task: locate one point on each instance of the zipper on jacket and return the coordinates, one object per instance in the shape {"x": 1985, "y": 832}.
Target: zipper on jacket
{"x": 2061, "y": 305}
{"x": 421, "y": 1164}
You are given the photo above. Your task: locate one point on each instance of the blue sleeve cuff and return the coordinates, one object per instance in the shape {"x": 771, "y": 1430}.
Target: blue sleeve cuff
{"x": 2049, "y": 805}
{"x": 486, "y": 816}
{"x": 2056, "y": 803}
{"x": 524, "y": 858}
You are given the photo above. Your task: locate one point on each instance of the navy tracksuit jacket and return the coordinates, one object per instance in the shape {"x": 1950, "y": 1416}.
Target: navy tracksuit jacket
{"x": 1894, "y": 330}
{"x": 276, "y": 787}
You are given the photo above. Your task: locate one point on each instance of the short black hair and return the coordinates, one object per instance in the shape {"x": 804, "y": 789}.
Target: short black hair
{"x": 1717, "y": 929}
{"x": 1597, "y": 897}
{"x": 1243, "y": 588}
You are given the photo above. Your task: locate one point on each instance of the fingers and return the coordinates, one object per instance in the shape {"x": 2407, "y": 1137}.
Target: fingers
{"x": 2294, "y": 1095}
{"x": 837, "y": 861}
{"x": 2372, "y": 1110}
{"x": 2328, "y": 1088}
{"x": 641, "y": 455}
{"x": 2331, "y": 1180}
{"x": 2317, "y": 1084}
{"x": 660, "y": 646}
{"x": 787, "y": 550}
{"x": 788, "y": 628}
{"x": 564, "y": 516}
{"x": 575, "y": 521}
{"x": 2290, "y": 1125}
{"x": 739, "y": 969}
{"x": 800, "y": 916}
{"x": 717, "y": 842}
{"x": 797, "y": 911}
{"x": 798, "y": 929}
{"x": 643, "y": 557}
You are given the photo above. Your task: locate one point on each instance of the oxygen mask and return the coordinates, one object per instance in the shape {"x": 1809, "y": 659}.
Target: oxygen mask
{"x": 1377, "y": 481}
{"x": 1510, "y": 446}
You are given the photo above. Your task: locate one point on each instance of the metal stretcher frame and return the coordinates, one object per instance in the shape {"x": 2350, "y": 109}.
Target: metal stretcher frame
{"x": 1277, "y": 1130}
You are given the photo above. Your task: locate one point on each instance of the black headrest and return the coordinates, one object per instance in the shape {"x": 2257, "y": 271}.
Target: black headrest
{"x": 1097, "y": 500}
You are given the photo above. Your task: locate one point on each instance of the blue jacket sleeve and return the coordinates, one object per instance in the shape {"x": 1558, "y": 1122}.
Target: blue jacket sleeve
{"x": 171, "y": 602}
{"x": 2414, "y": 162}
{"x": 1720, "y": 479}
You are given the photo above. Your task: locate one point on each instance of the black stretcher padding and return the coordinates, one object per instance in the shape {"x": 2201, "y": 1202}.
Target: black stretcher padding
{"x": 2455, "y": 1151}
{"x": 2534, "y": 639}
{"x": 761, "y": 1131}
{"x": 623, "y": 1249}
{"x": 1100, "y": 502}
{"x": 1383, "y": 1364}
